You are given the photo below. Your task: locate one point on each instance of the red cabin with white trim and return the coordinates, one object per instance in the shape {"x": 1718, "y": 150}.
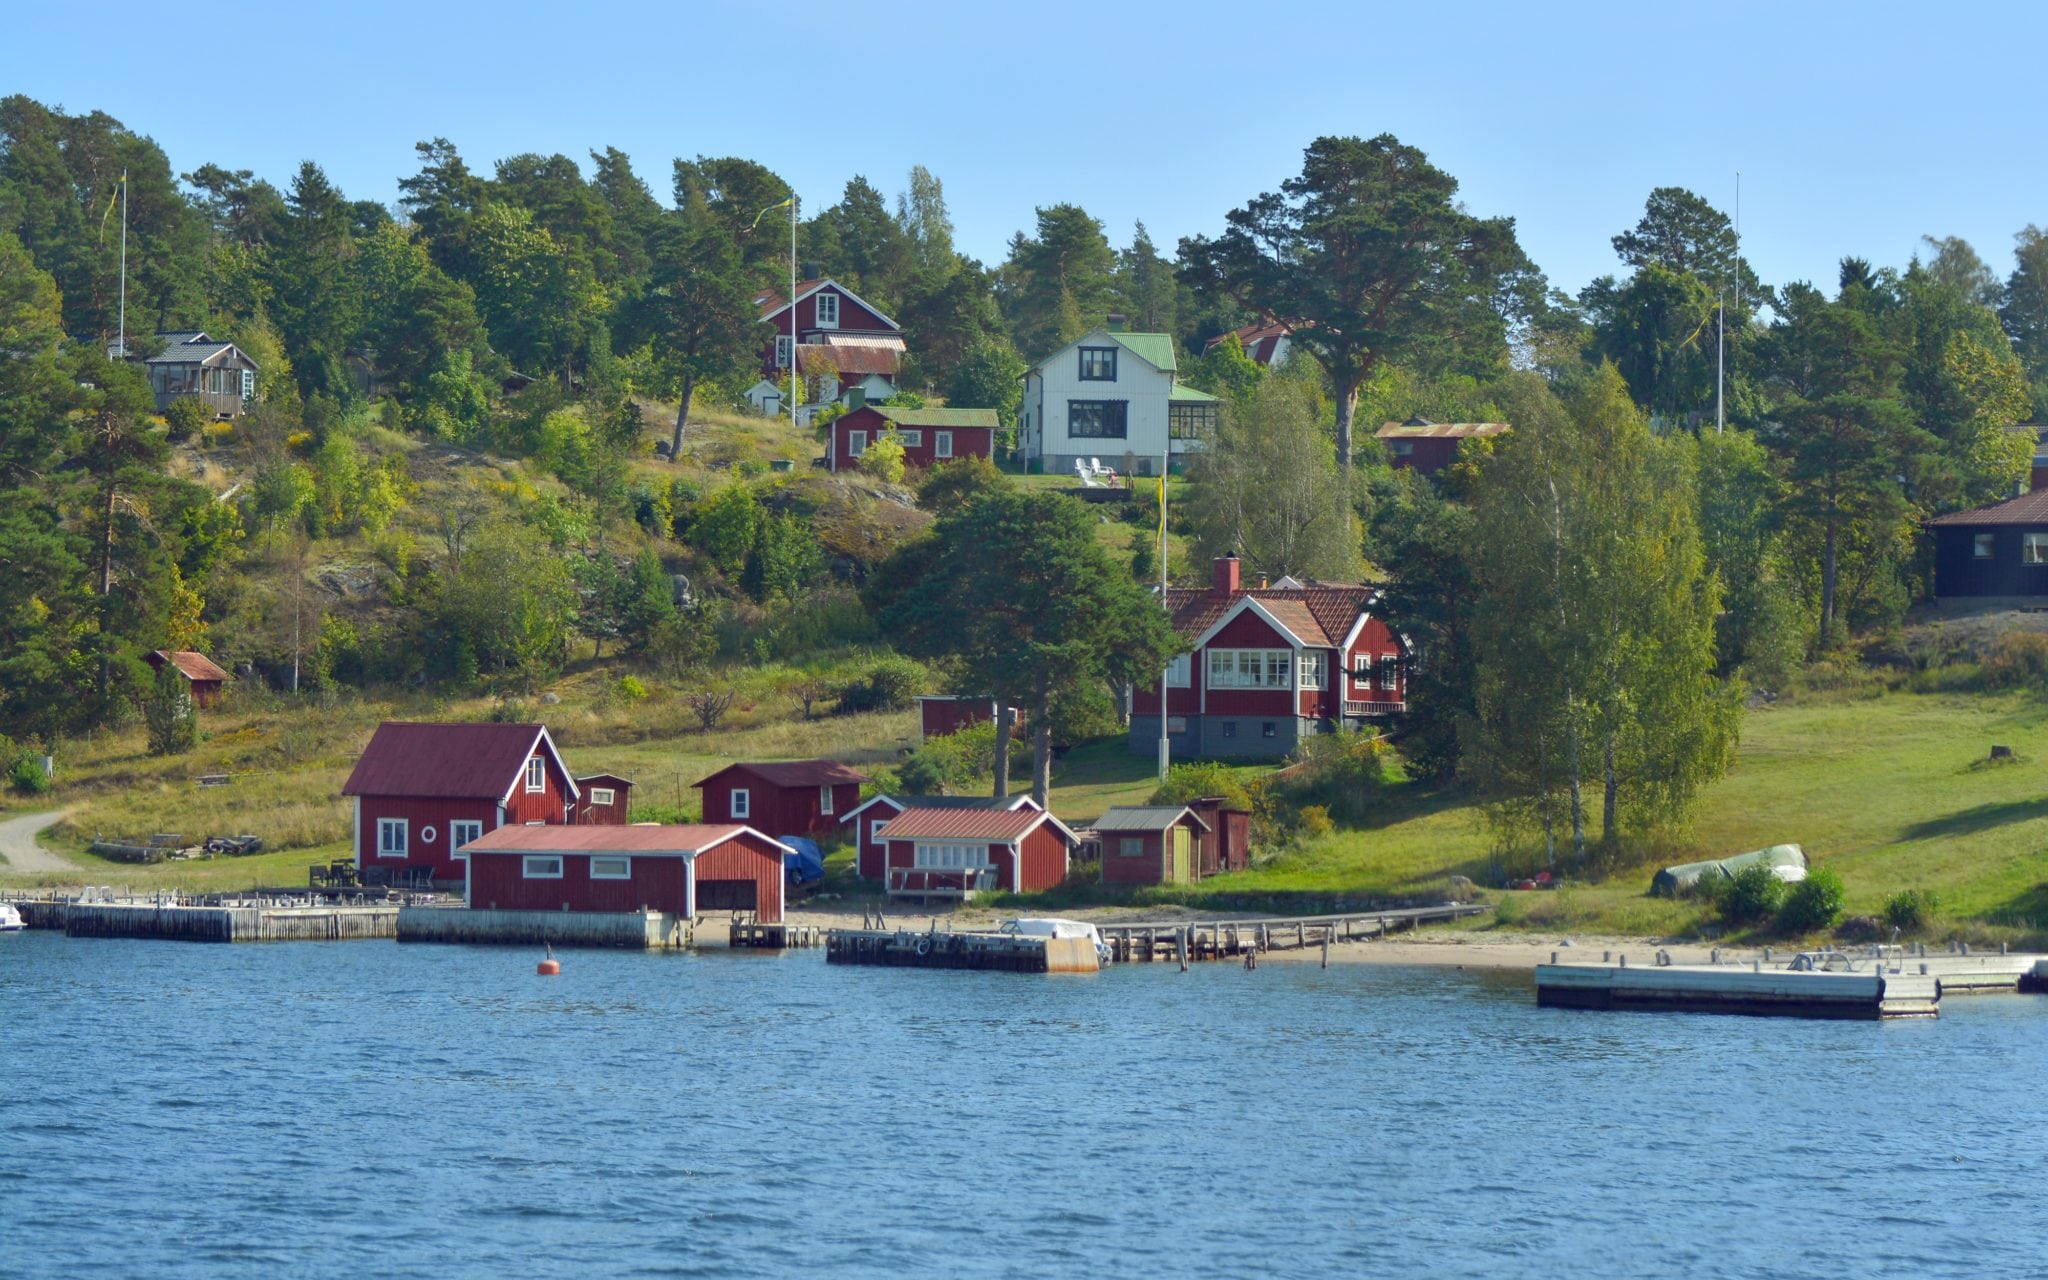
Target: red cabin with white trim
{"x": 957, "y": 852}
{"x": 868, "y": 820}
{"x": 785, "y": 797}
{"x": 683, "y": 870}
{"x": 929, "y": 437}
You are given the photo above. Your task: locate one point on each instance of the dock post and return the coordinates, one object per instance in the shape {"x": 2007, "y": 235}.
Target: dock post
{"x": 1183, "y": 940}
{"x": 1767, "y": 954}
{"x": 1624, "y": 959}
{"x": 1326, "y": 951}
{"x": 2001, "y": 948}
{"x": 1966, "y": 948}
{"x": 1606, "y": 957}
{"x": 1757, "y": 966}
{"x": 1553, "y": 957}
{"x": 1717, "y": 955}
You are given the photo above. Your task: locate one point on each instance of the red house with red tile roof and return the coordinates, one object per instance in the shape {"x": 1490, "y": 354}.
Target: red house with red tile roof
{"x": 423, "y": 791}
{"x": 783, "y": 797}
{"x": 683, "y": 870}
{"x": 928, "y": 436}
{"x": 1270, "y": 665}
{"x": 958, "y": 852}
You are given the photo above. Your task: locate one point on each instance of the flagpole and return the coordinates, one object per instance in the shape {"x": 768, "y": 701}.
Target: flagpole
{"x": 794, "y": 376}
{"x": 1165, "y": 744}
{"x": 124, "y": 265}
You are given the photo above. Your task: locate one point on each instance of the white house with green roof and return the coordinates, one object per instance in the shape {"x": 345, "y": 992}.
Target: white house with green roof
{"x": 1112, "y": 397}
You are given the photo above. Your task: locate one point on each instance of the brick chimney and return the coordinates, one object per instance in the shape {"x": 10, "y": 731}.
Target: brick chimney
{"x": 1227, "y": 575}
{"x": 1114, "y": 322}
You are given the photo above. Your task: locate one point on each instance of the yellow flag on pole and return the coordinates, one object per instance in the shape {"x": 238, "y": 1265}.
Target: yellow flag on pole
{"x": 114, "y": 197}
{"x": 784, "y": 203}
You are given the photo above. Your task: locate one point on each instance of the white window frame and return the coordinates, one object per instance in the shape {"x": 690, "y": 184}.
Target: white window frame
{"x": 1176, "y": 724}
{"x": 385, "y": 847}
{"x": 785, "y": 350}
{"x": 605, "y": 796}
{"x": 910, "y": 439}
{"x": 875, "y": 826}
{"x": 825, "y": 799}
{"x": 536, "y": 775}
{"x": 818, "y": 315}
{"x": 742, "y": 803}
{"x": 1251, "y": 669}
{"x": 536, "y": 866}
{"x": 856, "y": 443}
{"x": 2034, "y": 548}
{"x": 1179, "y": 670}
{"x": 1983, "y": 546}
{"x": 625, "y": 871}
{"x": 1313, "y": 670}
{"x": 949, "y": 855}
{"x": 456, "y": 838}
{"x": 942, "y": 444}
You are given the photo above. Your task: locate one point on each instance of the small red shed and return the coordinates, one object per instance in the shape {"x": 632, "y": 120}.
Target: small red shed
{"x": 939, "y": 714}
{"x": 787, "y": 797}
{"x": 1429, "y": 447}
{"x": 200, "y": 672}
{"x": 869, "y": 819}
{"x": 1226, "y": 846}
{"x": 605, "y": 799}
{"x": 681, "y": 870}
{"x": 932, "y": 850}
{"x": 929, "y": 436}
{"x": 423, "y": 791}
{"x": 1151, "y": 844}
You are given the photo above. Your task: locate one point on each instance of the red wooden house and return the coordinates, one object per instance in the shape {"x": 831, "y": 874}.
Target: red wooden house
{"x": 954, "y": 852}
{"x": 869, "y": 819}
{"x": 1429, "y": 447}
{"x": 786, "y": 797}
{"x": 855, "y": 345}
{"x": 425, "y": 791}
{"x": 681, "y": 870}
{"x": 604, "y": 799}
{"x": 200, "y": 672}
{"x": 939, "y": 714}
{"x": 1152, "y": 844}
{"x": 928, "y": 436}
{"x": 1269, "y": 665}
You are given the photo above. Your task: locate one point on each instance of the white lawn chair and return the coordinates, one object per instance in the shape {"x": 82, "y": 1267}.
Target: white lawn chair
{"x": 1087, "y": 476}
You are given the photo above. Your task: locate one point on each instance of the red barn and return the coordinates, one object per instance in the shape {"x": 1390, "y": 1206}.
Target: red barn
{"x": 869, "y": 819}
{"x": 929, "y": 436}
{"x": 605, "y": 799}
{"x": 201, "y": 674}
{"x": 1427, "y": 446}
{"x": 959, "y": 852}
{"x": 682, "y": 870}
{"x": 787, "y": 797}
{"x": 1155, "y": 844}
{"x": 1267, "y": 666}
{"x": 425, "y": 791}
{"x": 941, "y": 714}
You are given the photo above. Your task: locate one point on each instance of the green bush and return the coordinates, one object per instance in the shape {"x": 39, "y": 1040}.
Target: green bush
{"x": 187, "y": 416}
{"x": 2018, "y": 660}
{"x": 1812, "y": 904}
{"x": 27, "y": 776}
{"x": 1185, "y": 782}
{"x": 890, "y": 685}
{"x": 1314, "y": 822}
{"x": 1752, "y": 896}
{"x": 884, "y": 458}
{"x": 629, "y": 689}
{"x": 948, "y": 764}
{"x": 1910, "y": 910}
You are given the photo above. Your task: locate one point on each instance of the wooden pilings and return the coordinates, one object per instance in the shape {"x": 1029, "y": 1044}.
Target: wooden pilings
{"x": 1227, "y": 939}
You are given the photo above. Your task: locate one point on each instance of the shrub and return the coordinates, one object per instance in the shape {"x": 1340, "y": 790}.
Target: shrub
{"x": 1814, "y": 903}
{"x": 1343, "y": 773}
{"x": 1314, "y": 821}
{"x": 956, "y": 760}
{"x": 167, "y": 711}
{"x": 1910, "y": 910}
{"x": 890, "y": 685}
{"x": 884, "y": 458}
{"x": 1752, "y": 895}
{"x": 1185, "y": 782}
{"x": 952, "y": 485}
{"x": 27, "y": 776}
{"x": 186, "y": 417}
{"x": 629, "y": 689}
{"x": 2018, "y": 659}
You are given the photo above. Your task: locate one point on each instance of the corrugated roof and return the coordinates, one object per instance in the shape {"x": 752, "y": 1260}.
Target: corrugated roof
{"x": 930, "y": 823}
{"x": 190, "y": 353}
{"x": 944, "y": 416}
{"x": 942, "y": 802}
{"x": 1154, "y": 348}
{"x": 1156, "y": 817}
{"x": 196, "y": 666}
{"x": 1186, "y": 394}
{"x": 1439, "y": 430}
{"x": 793, "y": 773}
{"x": 679, "y": 838}
{"x": 449, "y": 761}
{"x": 814, "y": 357}
{"x": 2028, "y": 508}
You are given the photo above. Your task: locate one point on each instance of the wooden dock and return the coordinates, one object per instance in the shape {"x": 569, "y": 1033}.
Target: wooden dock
{"x": 1236, "y": 939}
{"x": 633, "y": 930}
{"x": 1005, "y": 952}
{"x": 748, "y": 935}
{"x": 228, "y": 922}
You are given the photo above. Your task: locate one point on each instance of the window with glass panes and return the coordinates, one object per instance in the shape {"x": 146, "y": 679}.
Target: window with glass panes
{"x": 1098, "y": 364}
{"x": 952, "y": 856}
{"x": 1250, "y": 668}
{"x": 1190, "y": 421}
{"x": 1098, "y": 419}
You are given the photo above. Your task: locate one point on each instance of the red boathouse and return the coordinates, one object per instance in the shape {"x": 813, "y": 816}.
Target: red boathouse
{"x": 944, "y": 852}
{"x": 681, "y": 870}
{"x": 785, "y": 797}
{"x": 869, "y": 819}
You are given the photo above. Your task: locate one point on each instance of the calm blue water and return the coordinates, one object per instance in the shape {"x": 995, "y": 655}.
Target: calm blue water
{"x": 366, "y": 1109}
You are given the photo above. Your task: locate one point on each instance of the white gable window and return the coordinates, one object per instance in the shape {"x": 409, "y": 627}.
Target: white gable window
{"x": 742, "y": 803}
{"x": 536, "y": 775}
{"x": 942, "y": 444}
{"x": 462, "y": 831}
{"x": 828, "y": 309}
{"x": 606, "y": 867}
{"x": 391, "y": 837}
{"x": 1177, "y": 672}
{"x": 1315, "y": 668}
{"x": 541, "y": 867}
{"x": 824, "y": 799}
{"x": 783, "y": 346}
{"x": 1251, "y": 668}
{"x": 856, "y": 443}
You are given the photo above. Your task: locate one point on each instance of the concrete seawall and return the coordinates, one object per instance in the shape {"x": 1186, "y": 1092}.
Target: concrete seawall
{"x": 214, "y": 924}
{"x": 638, "y": 930}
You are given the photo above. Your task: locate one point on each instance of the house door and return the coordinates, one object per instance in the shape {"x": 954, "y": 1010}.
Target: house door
{"x": 1182, "y": 869}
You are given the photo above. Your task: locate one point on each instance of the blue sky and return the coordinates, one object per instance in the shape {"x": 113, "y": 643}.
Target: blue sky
{"x": 1856, "y": 127}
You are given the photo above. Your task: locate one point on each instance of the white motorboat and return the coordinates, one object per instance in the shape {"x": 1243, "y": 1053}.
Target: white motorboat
{"x": 10, "y": 918}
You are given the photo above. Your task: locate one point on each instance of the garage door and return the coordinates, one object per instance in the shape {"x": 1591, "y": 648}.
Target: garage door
{"x": 726, "y": 895}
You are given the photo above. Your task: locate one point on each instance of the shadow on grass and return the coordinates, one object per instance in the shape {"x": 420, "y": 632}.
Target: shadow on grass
{"x": 1983, "y": 817}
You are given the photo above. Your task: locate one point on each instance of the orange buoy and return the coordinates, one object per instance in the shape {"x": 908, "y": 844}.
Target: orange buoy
{"x": 549, "y": 967}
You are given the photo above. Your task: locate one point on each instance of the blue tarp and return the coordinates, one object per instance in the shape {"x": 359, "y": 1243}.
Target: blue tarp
{"x": 806, "y": 864}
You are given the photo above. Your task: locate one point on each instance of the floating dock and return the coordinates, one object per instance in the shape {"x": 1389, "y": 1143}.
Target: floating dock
{"x": 1868, "y": 995}
{"x": 633, "y": 930}
{"x": 225, "y": 922}
{"x": 1007, "y": 952}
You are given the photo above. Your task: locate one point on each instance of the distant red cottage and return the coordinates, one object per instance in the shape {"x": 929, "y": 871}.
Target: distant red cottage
{"x": 1427, "y": 446}
{"x": 1270, "y": 665}
{"x": 681, "y": 870}
{"x": 851, "y": 344}
{"x": 1156, "y": 844}
{"x": 941, "y": 714}
{"x": 869, "y": 819}
{"x": 605, "y": 799}
{"x": 204, "y": 678}
{"x": 936, "y": 852}
{"x": 425, "y": 791}
{"x": 929, "y": 436}
{"x": 786, "y": 797}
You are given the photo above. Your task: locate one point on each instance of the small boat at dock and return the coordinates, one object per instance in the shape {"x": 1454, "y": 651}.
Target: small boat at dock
{"x": 10, "y": 918}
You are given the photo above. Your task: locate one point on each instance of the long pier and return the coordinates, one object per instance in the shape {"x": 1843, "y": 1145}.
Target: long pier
{"x": 1233, "y": 939}
{"x": 176, "y": 921}
{"x": 1006, "y": 952}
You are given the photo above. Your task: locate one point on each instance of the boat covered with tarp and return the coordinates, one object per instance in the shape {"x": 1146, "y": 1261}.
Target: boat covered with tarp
{"x": 1786, "y": 861}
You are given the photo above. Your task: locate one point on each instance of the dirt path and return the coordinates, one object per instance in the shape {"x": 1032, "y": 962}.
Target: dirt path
{"x": 18, "y": 843}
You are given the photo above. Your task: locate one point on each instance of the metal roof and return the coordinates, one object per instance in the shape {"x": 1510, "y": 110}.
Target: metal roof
{"x": 1157, "y": 817}
{"x": 817, "y": 357}
{"x": 943, "y": 802}
{"x": 683, "y": 839}
{"x": 1155, "y": 349}
{"x": 1419, "y": 429}
{"x": 979, "y": 825}
{"x": 792, "y": 773}
{"x": 196, "y": 666}
{"x": 1187, "y": 394}
{"x": 2028, "y": 508}
{"x": 942, "y": 416}
{"x": 448, "y": 761}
